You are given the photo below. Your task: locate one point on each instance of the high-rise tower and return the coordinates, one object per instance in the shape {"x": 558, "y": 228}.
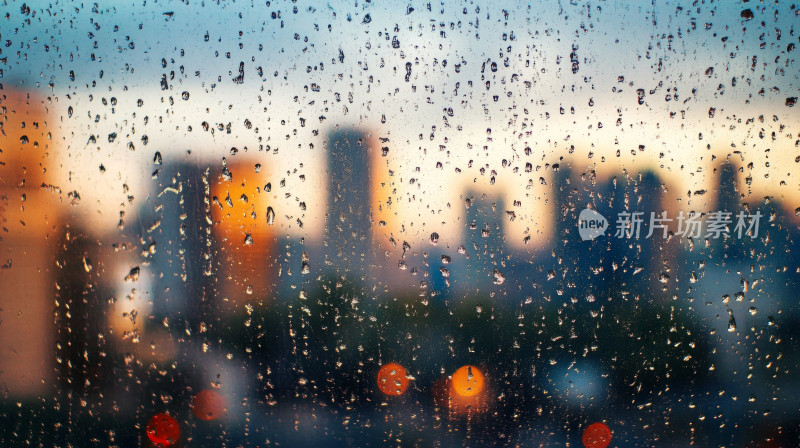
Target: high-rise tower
{"x": 348, "y": 234}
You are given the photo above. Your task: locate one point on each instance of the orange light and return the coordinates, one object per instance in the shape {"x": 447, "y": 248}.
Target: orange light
{"x": 597, "y": 435}
{"x": 208, "y": 405}
{"x": 243, "y": 232}
{"x": 458, "y": 405}
{"x": 392, "y": 379}
{"x": 381, "y": 194}
{"x": 468, "y": 381}
{"x": 32, "y": 218}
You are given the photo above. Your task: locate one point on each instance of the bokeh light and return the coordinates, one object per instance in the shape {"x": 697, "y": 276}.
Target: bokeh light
{"x": 468, "y": 381}
{"x": 597, "y": 435}
{"x": 392, "y": 379}
{"x": 163, "y": 430}
{"x": 208, "y": 405}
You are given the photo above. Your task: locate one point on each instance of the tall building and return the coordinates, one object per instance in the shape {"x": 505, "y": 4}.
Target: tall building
{"x": 348, "y": 230}
{"x": 31, "y": 223}
{"x": 630, "y": 260}
{"x": 728, "y": 200}
{"x": 81, "y": 298}
{"x": 610, "y": 262}
{"x": 244, "y": 232}
{"x": 727, "y": 191}
{"x": 485, "y": 243}
{"x": 176, "y": 223}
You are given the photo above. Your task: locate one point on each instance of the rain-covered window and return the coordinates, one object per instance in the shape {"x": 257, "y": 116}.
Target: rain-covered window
{"x": 376, "y": 223}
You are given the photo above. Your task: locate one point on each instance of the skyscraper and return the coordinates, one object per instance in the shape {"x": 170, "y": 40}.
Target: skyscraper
{"x": 484, "y": 241}
{"x": 348, "y": 233}
{"x": 31, "y": 223}
{"x": 244, "y": 235}
{"x": 176, "y": 220}
{"x": 728, "y": 200}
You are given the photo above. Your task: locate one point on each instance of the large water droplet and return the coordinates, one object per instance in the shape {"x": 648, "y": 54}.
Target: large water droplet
{"x": 731, "y": 322}
{"x": 499, "y": 278}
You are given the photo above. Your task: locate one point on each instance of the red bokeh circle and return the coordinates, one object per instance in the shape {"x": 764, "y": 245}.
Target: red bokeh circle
{"x": 163, "y": 430}
{"x": 597, "y": 435}
{"x": 208, "y": 405}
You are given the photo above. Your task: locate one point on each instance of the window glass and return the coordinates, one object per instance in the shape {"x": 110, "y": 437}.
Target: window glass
{"x": 364, "y": 223}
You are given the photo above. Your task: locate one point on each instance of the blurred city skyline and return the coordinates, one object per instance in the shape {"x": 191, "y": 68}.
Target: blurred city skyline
{"x": 278, "y": 205}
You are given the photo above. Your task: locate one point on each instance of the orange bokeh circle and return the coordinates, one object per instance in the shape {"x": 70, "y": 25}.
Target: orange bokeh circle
{"x": 392, "y": 379}
{"x": 597, "y": 435}
{"x": 468, "y": 381}
{"x": 208, "y": 405}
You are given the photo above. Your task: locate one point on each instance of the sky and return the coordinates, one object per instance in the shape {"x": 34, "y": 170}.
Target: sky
{"x": 421, "y": 79}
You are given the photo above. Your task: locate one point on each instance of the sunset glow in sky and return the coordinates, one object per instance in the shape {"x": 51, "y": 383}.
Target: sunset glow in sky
{"x": 456, "y": 101}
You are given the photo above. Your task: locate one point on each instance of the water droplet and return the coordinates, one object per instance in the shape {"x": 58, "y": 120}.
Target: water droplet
{"x": 731, "y": 322}
{"x": 499, "y": 279}
{"x": 133, "y": 275}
